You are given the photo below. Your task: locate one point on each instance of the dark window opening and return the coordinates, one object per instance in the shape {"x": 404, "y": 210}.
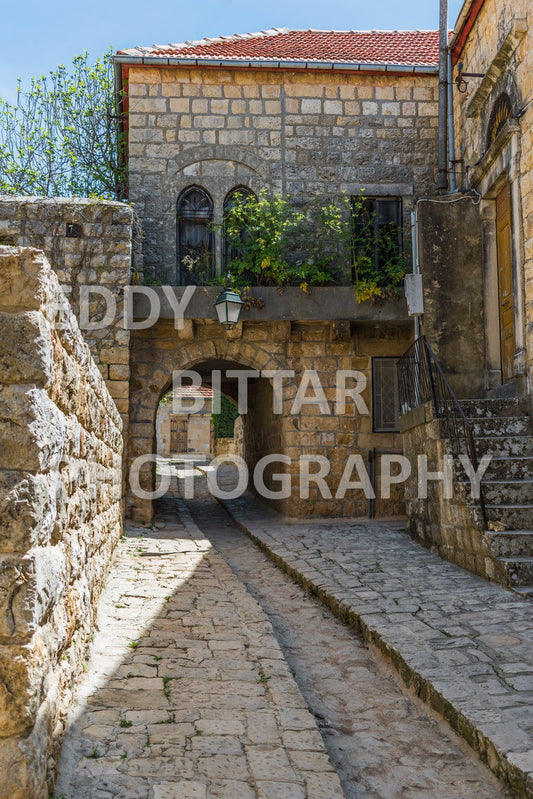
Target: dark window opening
{"x": 377, "y": 230}
{"x": 73, "y": 230}
{"x": 195, "y": 236}
{"x": 385, "y": 398}
{"x": 232, "y": 251}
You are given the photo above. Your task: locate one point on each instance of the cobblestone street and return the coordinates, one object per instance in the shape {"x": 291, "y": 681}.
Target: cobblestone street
{"x": 189, "y": 695}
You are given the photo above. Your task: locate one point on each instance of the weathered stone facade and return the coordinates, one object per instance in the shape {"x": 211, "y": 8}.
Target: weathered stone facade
{"x": 282, "y": 345}
{"x": 302, "y": 135}
{"x": 450, "y": 254}
{"x": 495, "y": 152}
{"x": 60, "y": 513}
{"x": 88, "y": 243}
{"x": 305, "y": 134}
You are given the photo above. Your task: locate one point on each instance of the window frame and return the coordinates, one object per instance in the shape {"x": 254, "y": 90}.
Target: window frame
{"x": 375, "y": 427}
{"x": 198, "y": 219}
{"x": 230, "y": 252}
{"x": 375, "y": 201}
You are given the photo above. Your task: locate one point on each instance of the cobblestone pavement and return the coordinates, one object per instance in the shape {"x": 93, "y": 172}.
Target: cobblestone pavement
{"x": 464, "y": 645}
{"x": 381, "y": 739}
{"x": 187, "y": 695}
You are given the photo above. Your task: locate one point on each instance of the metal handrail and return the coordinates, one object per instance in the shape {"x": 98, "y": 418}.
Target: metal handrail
{"x": 421, "y": 379}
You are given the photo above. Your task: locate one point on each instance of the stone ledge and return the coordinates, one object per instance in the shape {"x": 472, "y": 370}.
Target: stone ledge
{"x": 323, "y": 303}
{"x": 416, "y": 416}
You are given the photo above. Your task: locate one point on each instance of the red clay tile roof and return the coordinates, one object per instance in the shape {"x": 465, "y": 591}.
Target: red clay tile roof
{"x": 394, "y": 48}
{"x": 193, "y": 391}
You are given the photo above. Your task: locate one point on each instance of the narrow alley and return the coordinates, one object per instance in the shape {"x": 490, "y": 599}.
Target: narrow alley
{"x": 214, "y": 675}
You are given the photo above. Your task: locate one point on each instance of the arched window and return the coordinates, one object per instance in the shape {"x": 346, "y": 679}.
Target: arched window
{"x": 195, "y": 237}
{"x": 240, "y": 194}
{"x": 502, "y": 111}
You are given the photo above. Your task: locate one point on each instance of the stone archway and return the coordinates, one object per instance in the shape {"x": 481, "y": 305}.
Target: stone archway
{"x": 157, "y": 352}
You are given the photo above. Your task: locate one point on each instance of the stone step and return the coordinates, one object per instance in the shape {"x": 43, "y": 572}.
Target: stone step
{"x": 501, "y": 468}
{"x": 507, "y": 492}
{"x": 510, "y": 543}
{"x": 502, "y": 426}
{"x": 501, "y": 492}
{"x": 475, "y": 408}
{"x": 514, "y": 517}
{"x": 509, "y": 469}
{"x": 514, "y": 446}
{"x": 520, "y": 570}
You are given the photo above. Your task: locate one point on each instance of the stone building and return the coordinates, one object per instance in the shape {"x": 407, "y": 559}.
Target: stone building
{"x": 494, "y": 120}
{"x": 307, "y": 114}
{"x": 476, "y": 254}
{"x": 186, "y": 429}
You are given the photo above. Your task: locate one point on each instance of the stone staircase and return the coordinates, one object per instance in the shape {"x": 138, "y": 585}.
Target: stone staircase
{"x": 503, "y": 429}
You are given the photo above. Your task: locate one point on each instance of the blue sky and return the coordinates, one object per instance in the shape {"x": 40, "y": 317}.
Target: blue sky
{"x": 37, "y": 35}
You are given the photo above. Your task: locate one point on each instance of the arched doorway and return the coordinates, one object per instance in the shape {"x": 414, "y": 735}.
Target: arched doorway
{"x": 236, "y": 375}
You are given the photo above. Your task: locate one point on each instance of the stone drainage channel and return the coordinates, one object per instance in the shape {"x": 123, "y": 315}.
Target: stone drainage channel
{"x": 383, "y": 741}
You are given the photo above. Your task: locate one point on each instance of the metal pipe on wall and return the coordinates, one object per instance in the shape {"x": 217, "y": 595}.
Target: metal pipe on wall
{"x": 442, "y": 178}
{"x": 416, "y": 263}
{"x": 451, "y": 124}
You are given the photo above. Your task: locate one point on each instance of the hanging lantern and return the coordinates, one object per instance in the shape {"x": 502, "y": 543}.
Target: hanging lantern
{"x": 228, "y": 306}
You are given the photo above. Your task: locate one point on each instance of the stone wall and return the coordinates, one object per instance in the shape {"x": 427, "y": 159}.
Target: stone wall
{"x": 99, "y": 254}
{"x": 448, "y": 527}
{"x": 322, "y": 346}
{"x": 60, "y": 514}
{"x": 451, "y": 263}
{"x": 302, "y": 135}
{"x": 499, "y": 47}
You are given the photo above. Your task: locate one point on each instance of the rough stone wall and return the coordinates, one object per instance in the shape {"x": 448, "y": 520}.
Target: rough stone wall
{"x": 101, "y": 256}
{"x": 324, "y": 347}
{"x": 451, "y": 262}
{"x": 303, "y": 135}
{"x": 60, "y": 514}
{"x": 448, "y": 527}
{"x": 500, "y": 47}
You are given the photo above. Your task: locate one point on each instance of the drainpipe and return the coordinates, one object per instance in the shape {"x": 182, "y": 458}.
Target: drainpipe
{"x": 416, "y": 263}
{"x": 442, "y": 179}
{"x": 451, "y": 125}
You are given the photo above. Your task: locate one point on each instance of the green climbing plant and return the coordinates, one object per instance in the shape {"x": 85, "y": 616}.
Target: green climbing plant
{"x": 223, "y": 422}
{"x": 275, "y": 244}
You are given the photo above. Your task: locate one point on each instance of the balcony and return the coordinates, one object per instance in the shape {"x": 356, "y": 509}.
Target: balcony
{"x": 321, "y": 303}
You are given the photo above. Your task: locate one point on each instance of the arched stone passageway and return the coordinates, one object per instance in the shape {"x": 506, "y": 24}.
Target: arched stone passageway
{"x": 293, "y": 348}
{"x": 160, "y": 352}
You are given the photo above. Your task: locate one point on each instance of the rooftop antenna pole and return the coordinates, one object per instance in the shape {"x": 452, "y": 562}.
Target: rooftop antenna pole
{"x": 442, "y": 179}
